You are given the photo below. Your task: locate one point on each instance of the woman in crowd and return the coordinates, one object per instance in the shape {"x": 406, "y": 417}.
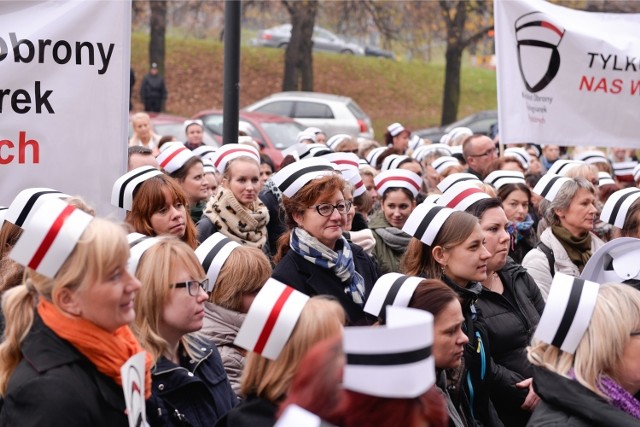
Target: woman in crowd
{"x": 267, "y": 168}
{"x": 236, "y": 273}
{"x": 190, "y": 386}
{"x": 622, "y": 210}
{"x": 512, "y": 189}
{"x": 270, "y": 367}
{"x": 313, "y": 256}
{"x": 235, "y": 210}
{"x": 67, "y": 333}
{"x": 343, "y": 143}
{"x": 159, "y": 207}
{"x": 188, "y": 169}
{"x": 397, "y": 136}
{"x": 511, "y": 305}
{"x": 143, "y": 133}
{"x": 585, "y": 373}
{"x": 398, "y": 189}
{"x": 449, "y": 245}
{"x": 449, "y": 337}
{"x": 194, "y": 130}
{"x": 324, "y": 386}
{"x": 569, "y": 209}
{"x": 356, "y": 230}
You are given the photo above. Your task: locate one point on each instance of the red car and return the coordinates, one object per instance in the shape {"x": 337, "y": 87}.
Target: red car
{"x": 273, "y": 133}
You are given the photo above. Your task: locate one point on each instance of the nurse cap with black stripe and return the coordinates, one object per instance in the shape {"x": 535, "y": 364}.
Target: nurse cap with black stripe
{"x": 568, "y": 312}
{"x": 394, "y": 360}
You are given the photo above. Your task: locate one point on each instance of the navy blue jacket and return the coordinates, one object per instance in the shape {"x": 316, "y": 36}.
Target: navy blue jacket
{"x": 196, "y": 393}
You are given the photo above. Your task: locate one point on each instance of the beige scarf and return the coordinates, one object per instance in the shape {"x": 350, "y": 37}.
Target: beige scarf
{"x": 245, "y": 226}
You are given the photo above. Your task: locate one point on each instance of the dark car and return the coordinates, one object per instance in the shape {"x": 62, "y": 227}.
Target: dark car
{"x": 382, "y": 53}
{"x": 480, "y": 122}
{"x": 273, "y": 133}
{"x": 172, "y": 125}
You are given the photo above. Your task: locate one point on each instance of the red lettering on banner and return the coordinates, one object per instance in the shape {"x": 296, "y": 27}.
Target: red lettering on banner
{"x": 7, "y": 150}
{"x": 602, "y": 85}
{"x": 635, "y": 87}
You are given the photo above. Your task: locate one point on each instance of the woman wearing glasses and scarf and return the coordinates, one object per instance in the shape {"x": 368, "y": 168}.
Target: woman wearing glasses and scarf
{"x": 189, "y": 383}
{"x": 313, "y": 256}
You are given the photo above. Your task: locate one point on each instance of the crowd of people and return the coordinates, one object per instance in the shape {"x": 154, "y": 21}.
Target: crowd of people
{"x": 460, "y": 282}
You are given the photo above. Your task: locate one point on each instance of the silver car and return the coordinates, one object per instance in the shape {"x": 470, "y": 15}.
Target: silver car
{"x": 323, "y": 40}
{"x": 333, "y": 114}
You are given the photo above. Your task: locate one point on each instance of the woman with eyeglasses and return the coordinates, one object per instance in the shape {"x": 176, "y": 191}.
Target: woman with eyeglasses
{"x": 189, "y": 383}
{"x": 313, "y": 256}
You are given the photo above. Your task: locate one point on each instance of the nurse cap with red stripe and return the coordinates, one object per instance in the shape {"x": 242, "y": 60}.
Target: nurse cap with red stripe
{"x": 394, "y": 360}
{"x": 28, "y": 201}
{"x": 425, "y": 221}
{"x": 568, "y": 312}
{"x": 228, "y": 152}
{"x": 213, "y": 253}
{"x": 174, "y": 157}
{"x": 462, "y": 195}
{"x": 355, "y": 180}
{"x": 344, "y": 161}
{"x": 271, "y": 319}
{"x": 398, "y": 178}
{"x": 125, "y": 186}
{"x": 50, "y": 236}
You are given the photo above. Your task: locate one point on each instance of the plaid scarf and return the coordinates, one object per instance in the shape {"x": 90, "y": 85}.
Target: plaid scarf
{"x": 339, "y": 261}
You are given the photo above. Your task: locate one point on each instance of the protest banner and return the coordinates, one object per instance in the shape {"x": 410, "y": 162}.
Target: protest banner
{"x": 64, "y": 85}
{"x": 566, "y": 77}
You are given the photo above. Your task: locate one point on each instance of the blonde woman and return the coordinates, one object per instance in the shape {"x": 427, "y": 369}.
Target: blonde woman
{"x": 60, "y": 362}
{"x": 189, "y": 382}
{"x": 269, "y": 370}
{"x": 586, "y": 373}
{"x": 236, "y": 274}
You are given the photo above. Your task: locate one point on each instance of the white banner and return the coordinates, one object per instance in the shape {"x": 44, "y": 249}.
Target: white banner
{"x": 64, "y": 84}
{"x": 567, "y": 77}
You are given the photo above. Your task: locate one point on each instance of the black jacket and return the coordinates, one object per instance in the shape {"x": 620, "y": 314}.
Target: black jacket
{"x": 275, "y": 226}
{"x": 482, "y": 374}
{"x": 311, "y": 279}
{"x": 510, "y": 328}
{"x": 196, "y": 393}
{"x": 253, "y": 412}
{"x": 567, "y": 403}
{"x": 55, "y": 385}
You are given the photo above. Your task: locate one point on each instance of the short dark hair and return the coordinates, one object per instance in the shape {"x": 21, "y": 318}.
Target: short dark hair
{"x": 139, "y": 149}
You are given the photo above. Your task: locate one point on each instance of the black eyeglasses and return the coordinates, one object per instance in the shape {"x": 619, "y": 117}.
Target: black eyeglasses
{"x": 326, "y": 209}
{"x": 635, "y": 333}
{"x": 486, "y": 153}
{"x": 193, "y": 286}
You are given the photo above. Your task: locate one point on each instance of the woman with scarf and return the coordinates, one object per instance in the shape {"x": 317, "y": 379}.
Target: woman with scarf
{"x": 67, "y": 335}
{"x": 190, "y": 386}
{"x": 235, "y": 210}
{"x": 568, "y": 243}
{"x": 313, "y": 256}
{"x": 512, "y": 189}
{"x": 586, "y": 368}
{"x": 398, "y": 189}
{"x": 448, "y": 245}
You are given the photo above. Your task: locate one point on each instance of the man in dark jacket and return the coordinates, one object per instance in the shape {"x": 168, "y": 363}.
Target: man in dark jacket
{"x": 153, "y": 91}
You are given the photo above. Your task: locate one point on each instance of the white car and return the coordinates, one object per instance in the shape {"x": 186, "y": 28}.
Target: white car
{"x": 323, "y": 40}
{"x": 333, "y": 114}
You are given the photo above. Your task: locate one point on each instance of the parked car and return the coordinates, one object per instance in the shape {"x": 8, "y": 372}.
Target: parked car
{"x": 376, "y": 51}
{"x": 169, "y": 124}
{"x": 323, "y": 40}
{"x": 333, "y": 114}
{"x": 273, "y": 133}
{"x": 480, "y": 122}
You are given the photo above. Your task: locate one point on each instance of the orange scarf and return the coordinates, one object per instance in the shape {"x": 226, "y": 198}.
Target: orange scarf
{"x": 107, "y": 351}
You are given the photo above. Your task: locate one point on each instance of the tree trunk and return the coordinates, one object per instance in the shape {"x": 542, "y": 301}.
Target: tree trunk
{"x": 158, "y": 29}
{"x": 451, "y": 97}
{"x": 298, "y": 60}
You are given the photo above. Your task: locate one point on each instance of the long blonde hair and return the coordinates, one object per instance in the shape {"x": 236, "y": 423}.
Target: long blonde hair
{"x": 154, "y": 272}
{"x": 601, "y": 349}
{"x": 321, "y": 318}
{"x": 101, "y": 248}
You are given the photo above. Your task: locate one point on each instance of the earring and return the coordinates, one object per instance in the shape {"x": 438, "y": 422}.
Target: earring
{"x": 442, "y": 268}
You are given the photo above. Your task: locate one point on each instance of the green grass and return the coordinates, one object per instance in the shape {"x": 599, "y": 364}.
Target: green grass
{"x": 406, "y": 91}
